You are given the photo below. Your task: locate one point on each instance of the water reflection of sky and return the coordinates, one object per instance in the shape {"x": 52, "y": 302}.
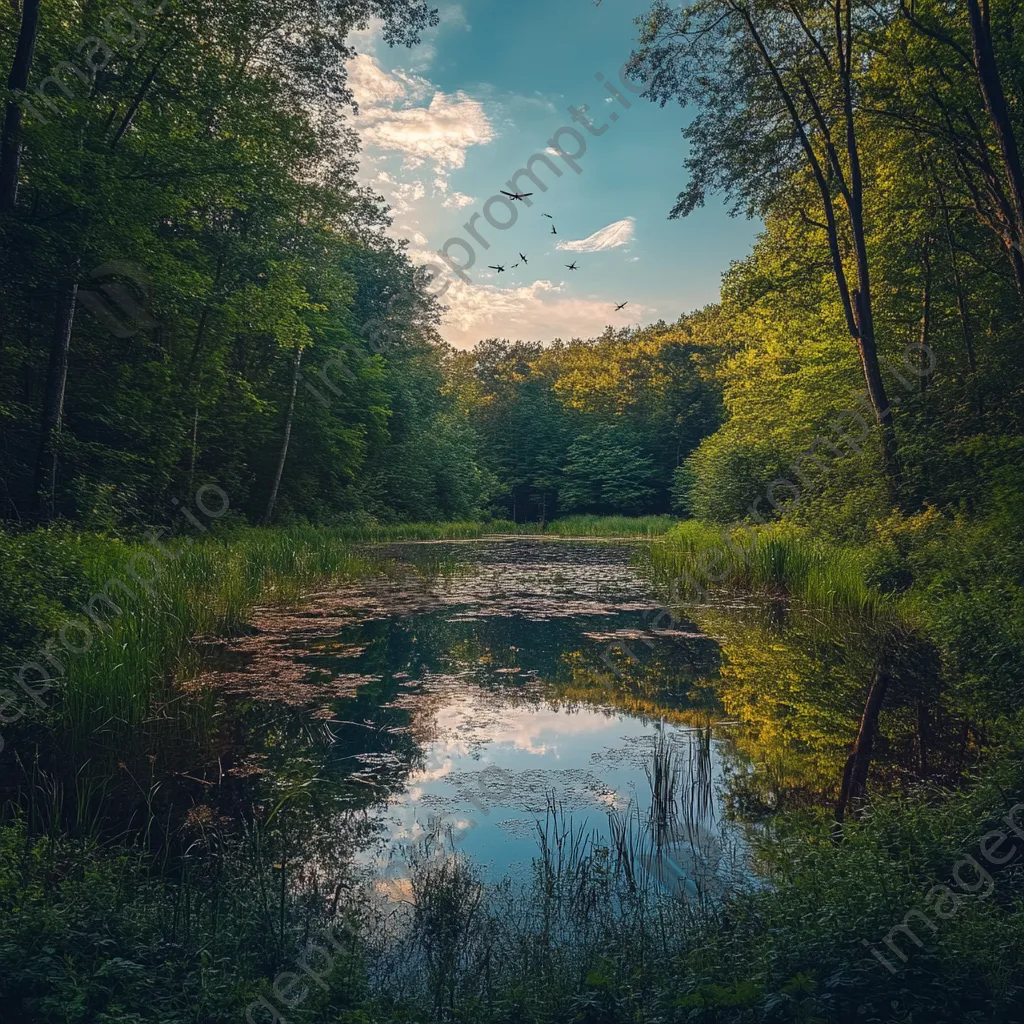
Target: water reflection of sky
{"x": 486, "y": 780}
{"x": 462, "y": 691}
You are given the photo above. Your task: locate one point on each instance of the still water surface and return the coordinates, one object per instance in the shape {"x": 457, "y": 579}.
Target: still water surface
{"x": 476, "y": 695}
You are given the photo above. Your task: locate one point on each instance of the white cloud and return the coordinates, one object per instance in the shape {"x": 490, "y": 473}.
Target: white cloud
{"x": 405, "y": 194}
{"x": 453, "y": 16}
{"x": 538, "y": 310}
{"x": 371, "y": 85}
{"x": 610, "y": 237}
{"x": 377, "y": 90}
{"x": 413, "y": 135}
{"x": 457, "y": 200}
{"x": 416, "y": 88}
{"x": 441, "y": 132}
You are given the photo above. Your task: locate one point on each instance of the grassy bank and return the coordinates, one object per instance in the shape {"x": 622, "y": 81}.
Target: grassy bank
{"x": 107, "y": 625}
{"x": 696, "y": 559}
{"x": 610, "y": 526}
{"x": 118, "y": 617}
{"x": 93, "y": 934}
{"x": 957, "y": 582}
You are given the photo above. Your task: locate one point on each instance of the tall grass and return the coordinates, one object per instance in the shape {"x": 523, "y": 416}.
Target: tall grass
{"x": 610, "y": 526}
{"x": 695, "y": 558}
{"x": 430, "y": 531}
{"x": 138, "y": 612}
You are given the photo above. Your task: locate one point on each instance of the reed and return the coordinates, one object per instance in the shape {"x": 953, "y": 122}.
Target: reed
{"x": 610, "y": 526}
{"x": 133, "y": 638}
{"x": 695, "y": 558}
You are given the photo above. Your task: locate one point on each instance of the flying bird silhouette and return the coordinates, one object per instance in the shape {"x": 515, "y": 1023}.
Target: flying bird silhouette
{"x": 524, "y": 259}
{"x": 572, "y": 266}
{"x": 516, "y": 195}
{"x": 623, "y": 306}
{"x": 500, "y": 270}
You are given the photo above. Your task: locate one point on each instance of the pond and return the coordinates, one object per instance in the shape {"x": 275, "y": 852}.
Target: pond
{"x": 492, "y": 697}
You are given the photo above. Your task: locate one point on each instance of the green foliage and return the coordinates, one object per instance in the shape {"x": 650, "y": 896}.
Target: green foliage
{"x": 610, "y": 526}
{"x": 605, "y": 473}
{"x": 694, "y": 558}
{"x": 590, "y": 426}
{"x": 211, "y": 219}
{"x": 40, "y": 575}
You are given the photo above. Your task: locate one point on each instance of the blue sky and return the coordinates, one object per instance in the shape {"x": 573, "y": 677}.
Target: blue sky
{"x": 446, "y": 124}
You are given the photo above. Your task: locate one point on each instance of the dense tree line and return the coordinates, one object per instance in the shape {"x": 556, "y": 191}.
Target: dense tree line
{"x": 190, "y": 270}
{"x": 880, "y": 146}
{"x": 189, "y": 266}
{"x": 595, "y": 426}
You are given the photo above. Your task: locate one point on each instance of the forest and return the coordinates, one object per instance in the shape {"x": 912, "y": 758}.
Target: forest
{"x": 212, "y": 327}
{"x": 198, "y": 297}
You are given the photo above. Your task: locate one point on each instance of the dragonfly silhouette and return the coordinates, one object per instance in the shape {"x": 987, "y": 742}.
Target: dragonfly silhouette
{"x": 500, "y": 270}
{"x": 516, "y": 195}
{"x": 524, "y": 259}
{"x": 572, "y": 266}
{"x": 623, "y": 306}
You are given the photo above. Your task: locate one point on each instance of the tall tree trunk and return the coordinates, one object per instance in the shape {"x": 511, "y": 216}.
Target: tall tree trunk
{"x": 961, "y": 304}
{"x": 268, "y": 515}
{"x": 995, "y": 102}
{"x": 195, "y": 444}
{"x": 856, "y": 301}
{"x": 53, "y": 402}
{"x": 17, "y": 82}
{"x": 862, "y": 305}
{"x": 855, "y": 774}
{"x": 868, "y": 352}
{"x": 924, "y": 336}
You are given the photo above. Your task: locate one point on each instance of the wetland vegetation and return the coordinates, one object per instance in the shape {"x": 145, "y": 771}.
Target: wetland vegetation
{"x": 670, "y": 675}
{"x": 466, "y": 769}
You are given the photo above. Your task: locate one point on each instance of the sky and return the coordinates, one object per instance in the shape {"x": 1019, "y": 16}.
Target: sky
{"x": 446, "y": 124}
